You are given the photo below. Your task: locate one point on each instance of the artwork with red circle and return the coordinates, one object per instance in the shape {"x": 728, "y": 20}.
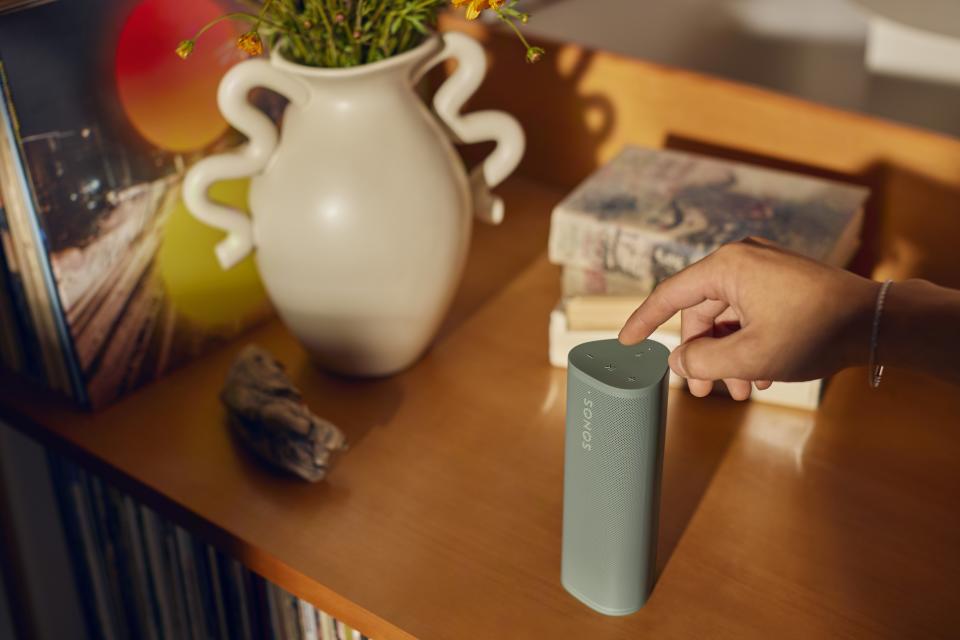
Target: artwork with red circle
{"x": 109, "y": 119}
{"x": 172, "y": 102}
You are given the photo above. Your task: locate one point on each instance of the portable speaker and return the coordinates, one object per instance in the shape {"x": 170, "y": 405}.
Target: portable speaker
{"x": 616, "y": 414}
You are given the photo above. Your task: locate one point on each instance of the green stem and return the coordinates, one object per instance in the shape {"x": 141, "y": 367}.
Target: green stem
{"x": 235, "y": 16}
{"x": 263, "y": 10}
{"x": 357, "y": 16}
{"x": 376, "y": 16}
{"x": 406, "y": 33}
{"x": 513, "y": 26}
{"x": 331, "y": 48}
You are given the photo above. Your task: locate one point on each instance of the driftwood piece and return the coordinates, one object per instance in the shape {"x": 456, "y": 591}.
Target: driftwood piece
{"x": 268, "y": 414}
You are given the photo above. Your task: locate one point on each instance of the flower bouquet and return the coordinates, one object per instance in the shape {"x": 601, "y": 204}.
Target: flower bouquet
{"x": 348, "y": 33}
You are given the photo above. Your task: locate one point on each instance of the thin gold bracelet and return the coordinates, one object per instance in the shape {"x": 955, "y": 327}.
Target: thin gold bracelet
{"x": 876, "y": 370}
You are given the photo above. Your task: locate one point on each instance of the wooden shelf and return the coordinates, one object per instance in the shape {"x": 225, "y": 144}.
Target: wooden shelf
{"x": 443, "y": 520}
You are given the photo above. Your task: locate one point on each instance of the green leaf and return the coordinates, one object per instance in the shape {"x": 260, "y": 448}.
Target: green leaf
{"x": 419, "y": 26}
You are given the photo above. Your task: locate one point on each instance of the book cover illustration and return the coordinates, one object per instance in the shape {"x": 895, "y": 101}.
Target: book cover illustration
{"x": 109, "y": 121}
{"x": 575, "y": 281}
{"x": 650, "y": 213}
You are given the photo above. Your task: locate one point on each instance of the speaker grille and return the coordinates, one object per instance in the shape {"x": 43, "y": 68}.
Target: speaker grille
{"x": 610, "y": 496}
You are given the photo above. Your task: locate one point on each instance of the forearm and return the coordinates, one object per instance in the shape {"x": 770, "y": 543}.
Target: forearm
{"x": 920, "y": 329}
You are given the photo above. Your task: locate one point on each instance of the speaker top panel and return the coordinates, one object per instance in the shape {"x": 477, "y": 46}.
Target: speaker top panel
{"x": 639, "y": 366}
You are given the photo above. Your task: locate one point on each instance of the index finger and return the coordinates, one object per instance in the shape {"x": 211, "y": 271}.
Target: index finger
{"x": 688, "y": 288}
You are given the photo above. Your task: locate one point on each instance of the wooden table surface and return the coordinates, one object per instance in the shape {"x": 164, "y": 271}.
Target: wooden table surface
{"x": 443, "y": 520}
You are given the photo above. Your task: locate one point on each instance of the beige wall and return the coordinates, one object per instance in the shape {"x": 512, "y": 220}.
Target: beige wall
{"x": 809, "y": 48}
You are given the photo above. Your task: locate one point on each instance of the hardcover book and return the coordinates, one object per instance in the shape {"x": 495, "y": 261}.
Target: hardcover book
{"x": 102, "y": 120}
{"x": 650, "y": 213}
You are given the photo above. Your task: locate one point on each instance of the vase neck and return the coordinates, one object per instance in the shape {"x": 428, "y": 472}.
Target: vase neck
{"x": 402, "y": 68}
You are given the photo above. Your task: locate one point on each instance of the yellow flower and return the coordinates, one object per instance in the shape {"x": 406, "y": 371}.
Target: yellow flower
{"x": 185, "y": 48}
{"x": 250, "y": 43}
{"x": 474, "y": 7}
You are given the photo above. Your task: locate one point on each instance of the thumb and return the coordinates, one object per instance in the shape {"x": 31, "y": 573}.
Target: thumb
{"x": 709, "y": 358}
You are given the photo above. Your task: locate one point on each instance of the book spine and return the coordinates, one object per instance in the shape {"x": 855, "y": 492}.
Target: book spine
{"x": 328, "y": 626}
{"x": 94, "y": 559}
{"x": 218, "y": 593}
{"x": 208, "y": 598}
{"x": 61, "y": 477}
{"x": 60, "y": 364}
{"x": 274, "y": 611}
{"x": 192, "y": 595}
{"x": 308, "y": 620}
{"x": 161, "y": 578}
{"x": 23, "y": 244}
{"x": 114, "y": 561}
{"x": 32, "y": 359}
{"x": 178, "y": 581}
{"x": 132, "y": 548}
{"x": 157, "y": 600}
{"x": 290, "y": 616}
{"x": 318, "y": 616}
{"x": 267, "y": 625}
{"x": 240, "y": 580}
{"x": 11, "y": 356}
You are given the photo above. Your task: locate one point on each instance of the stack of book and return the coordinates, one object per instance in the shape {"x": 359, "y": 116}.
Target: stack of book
{"x": 140, "y": 576}
{"x": 106, "y": 281}
{"x": 650, "y": 213}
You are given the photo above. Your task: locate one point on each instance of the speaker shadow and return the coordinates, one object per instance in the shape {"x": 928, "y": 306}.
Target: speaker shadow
{"x": 699, "y": 431}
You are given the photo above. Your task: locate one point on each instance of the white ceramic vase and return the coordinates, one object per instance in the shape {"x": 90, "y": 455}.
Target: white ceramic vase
{"x": 361, "y": 208}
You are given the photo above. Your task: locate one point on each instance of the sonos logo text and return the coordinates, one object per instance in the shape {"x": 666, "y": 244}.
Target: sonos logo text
{"x": 587, "y": 424}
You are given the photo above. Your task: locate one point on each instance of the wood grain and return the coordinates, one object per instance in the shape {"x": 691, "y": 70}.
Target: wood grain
{"x": 443, "y": 519}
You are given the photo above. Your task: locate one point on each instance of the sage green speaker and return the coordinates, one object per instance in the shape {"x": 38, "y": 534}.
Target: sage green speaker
{"x": 616, "y": 414}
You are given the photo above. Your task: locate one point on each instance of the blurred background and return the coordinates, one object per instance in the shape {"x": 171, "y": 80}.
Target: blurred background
{"x": 896, "y": 59}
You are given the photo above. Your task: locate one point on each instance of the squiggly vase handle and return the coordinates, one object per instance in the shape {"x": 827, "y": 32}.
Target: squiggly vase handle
{"x": 498, "y": 126}
{"x": 248, "y": 160}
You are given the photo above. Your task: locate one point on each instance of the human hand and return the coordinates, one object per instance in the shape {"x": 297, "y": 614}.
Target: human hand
{"x": 753, "y": 312}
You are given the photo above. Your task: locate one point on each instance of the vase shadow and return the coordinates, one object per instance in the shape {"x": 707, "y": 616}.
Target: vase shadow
{"x": 910, "y": 220}
{"x": 586, "y": 120}
{"x": 355, "y": 405}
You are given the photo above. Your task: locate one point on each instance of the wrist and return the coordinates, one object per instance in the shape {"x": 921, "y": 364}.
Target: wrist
{"x": 909, "y": 308}
{"x": 861, "y": 304}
